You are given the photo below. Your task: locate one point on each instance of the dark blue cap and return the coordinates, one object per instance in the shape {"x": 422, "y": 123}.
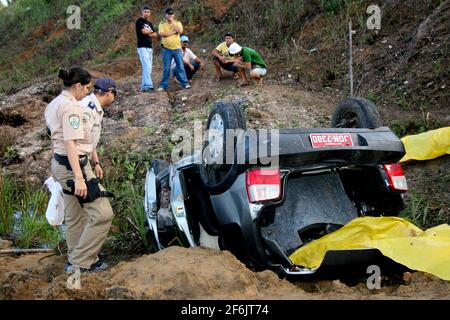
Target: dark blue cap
{"x": 105, "y": 84}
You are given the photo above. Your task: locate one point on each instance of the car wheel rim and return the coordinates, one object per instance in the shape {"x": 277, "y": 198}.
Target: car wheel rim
{"x": 215, "y": 137}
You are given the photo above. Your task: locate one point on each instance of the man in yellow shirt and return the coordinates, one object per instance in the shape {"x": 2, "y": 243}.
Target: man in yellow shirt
{"x": 170, "y": 31}
{"x": 222, "y": 58}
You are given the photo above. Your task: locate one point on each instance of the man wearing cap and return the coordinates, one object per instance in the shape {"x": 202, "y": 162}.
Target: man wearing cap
{"x": 104, "y": 94}
{"x": 248, "y": 59}
{"x": 170, "y": 31}
{"x": 223, "y": 59}
{"x": 144, "y": 34}
{"x": 191, "y": 62}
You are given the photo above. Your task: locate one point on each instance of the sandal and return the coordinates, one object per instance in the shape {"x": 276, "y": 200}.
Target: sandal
{"x": 236, "y": 76}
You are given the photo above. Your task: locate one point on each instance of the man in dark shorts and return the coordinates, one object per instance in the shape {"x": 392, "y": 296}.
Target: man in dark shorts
{"x": 222, "y": 58}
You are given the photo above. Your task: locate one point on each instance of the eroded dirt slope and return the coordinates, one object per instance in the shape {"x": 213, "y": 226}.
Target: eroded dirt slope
{"x": 144, "y": 122}
{"x": 197, "y": 273}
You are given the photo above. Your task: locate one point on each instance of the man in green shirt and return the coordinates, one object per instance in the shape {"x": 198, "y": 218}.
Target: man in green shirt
{"x": 248, "y": 59}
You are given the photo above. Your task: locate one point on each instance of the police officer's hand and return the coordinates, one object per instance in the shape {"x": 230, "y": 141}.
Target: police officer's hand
{"x": 98, "y": 171}
{"x": 80, "y": 188}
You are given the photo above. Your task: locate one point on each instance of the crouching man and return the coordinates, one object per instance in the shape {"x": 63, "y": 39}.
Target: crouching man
{"x": 248, "y": 59}
{"x": 191, "y": 62}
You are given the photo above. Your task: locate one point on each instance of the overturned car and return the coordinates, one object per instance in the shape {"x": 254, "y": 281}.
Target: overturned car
{"x": 262, "y": 194}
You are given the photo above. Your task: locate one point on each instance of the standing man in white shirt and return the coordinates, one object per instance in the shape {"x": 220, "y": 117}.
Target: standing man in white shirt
{"x": 105, "y": 91}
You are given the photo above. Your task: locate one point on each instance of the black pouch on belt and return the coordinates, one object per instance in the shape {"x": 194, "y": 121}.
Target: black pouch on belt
{"x": 93, "y": 191}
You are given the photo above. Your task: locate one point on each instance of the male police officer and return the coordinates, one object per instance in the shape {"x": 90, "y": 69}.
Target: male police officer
{"x": 105, "y": 91}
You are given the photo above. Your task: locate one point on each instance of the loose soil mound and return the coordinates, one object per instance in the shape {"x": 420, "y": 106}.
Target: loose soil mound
{"x": 197, "y": 273}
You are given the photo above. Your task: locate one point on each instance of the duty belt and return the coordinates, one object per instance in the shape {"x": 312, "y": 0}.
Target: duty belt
{"x": 64, "y": 161}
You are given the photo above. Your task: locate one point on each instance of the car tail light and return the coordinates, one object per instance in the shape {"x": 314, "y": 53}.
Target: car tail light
{"x": 396, "y": 177}
{"x": 263, "y": 185}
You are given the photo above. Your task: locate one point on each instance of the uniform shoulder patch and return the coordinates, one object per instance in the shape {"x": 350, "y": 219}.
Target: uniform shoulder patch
{"x": 74, "y": 121}
{"x": 91, "y": 105}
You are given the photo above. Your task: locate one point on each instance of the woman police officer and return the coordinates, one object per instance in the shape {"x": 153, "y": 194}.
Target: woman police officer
{"x": 87, "y": 223}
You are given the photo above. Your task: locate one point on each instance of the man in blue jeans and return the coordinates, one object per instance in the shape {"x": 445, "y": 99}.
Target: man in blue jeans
{"x": 170, "y": 31}
{"x": 144, "y": 33}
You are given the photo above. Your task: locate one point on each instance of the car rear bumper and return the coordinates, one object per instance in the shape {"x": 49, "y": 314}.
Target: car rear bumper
{"x": 293, "y": 148}
{"x": 352, "y": 263}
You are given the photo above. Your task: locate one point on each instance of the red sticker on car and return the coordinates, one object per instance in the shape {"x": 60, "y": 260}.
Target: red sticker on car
{"x": 322, "y": 140}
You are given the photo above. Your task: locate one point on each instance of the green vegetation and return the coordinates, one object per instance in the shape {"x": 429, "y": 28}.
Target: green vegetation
{"x": 42, "y": 43}
{"x": 414, "y": 126}
{"x": 257, "y": 20}
{"x": 125, "y": 178}
{"x": 33, "y": 228}
{"x": 9, "y": 156}
{"x": 422, "y": 213}
{"x": 7, "y": 188}
{"x": 22, "y": 209}
{"x": 372, "y": 97}
{"x": 31, "y": 13}
{"x": 195, "y": 11}
{"x": 22, "y": 215}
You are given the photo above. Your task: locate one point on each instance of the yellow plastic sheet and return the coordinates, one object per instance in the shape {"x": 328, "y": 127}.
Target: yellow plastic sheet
{"x": 396, "y": 238}
{"x": 427, "y": 145}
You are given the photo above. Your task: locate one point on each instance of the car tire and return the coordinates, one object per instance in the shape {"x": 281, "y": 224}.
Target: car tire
{"x": 356, "y": 112}
{"x": 216, "y": 175}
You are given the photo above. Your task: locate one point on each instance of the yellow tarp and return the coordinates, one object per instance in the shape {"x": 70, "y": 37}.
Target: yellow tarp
{"x": 396, "y": 238}
{"x": 427, "y": 145}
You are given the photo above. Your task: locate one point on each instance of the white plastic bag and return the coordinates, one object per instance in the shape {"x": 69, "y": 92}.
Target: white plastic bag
{"x": 55, "y": 208}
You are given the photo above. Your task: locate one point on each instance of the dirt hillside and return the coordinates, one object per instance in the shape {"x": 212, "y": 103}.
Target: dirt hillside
{"x": 180, "y": 273}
